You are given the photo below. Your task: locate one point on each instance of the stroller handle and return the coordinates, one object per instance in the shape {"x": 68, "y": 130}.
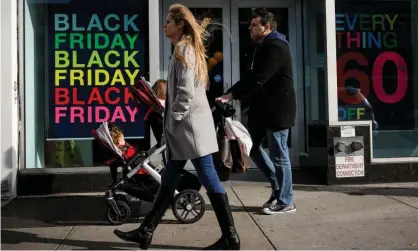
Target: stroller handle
{"x": 224, "y": 109}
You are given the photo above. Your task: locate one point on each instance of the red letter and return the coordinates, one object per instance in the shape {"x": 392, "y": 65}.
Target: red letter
{"x": 128, "y": 95}
{"x": 59, "y": 114}
{"x": 350, "y": 39}
{"x": 61, "y": 96}
{"x": 95, "y": 96}
{"x": 76, "y": 112}
{"x": 378, "y": 77}
{"x": 75, "y": 98}
{"x": 343, "y": 75}
{"x": 339, "y": 39}
{"x": 108, "y": 98}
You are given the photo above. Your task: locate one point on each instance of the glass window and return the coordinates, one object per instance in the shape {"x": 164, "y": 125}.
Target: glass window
{"x": 81, "y": 56}
{"x": 211, "y": 19}
{"x": 314, "y": 63}
{"x": 377, "y": 71}
{"x": 247, "y": 46}
{"x": 315, "y": 81}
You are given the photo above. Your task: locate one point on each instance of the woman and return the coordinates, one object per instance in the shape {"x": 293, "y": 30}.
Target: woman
{"x": 189, "y": 131}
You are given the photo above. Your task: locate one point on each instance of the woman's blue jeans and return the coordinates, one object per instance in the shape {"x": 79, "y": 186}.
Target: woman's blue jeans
{"x": 205, "y": 171}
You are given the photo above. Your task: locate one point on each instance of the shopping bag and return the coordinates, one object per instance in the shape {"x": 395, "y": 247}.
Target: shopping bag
{"x": 240, "y": 144}
{"x": 223, "y": 160}
{"x": 240, "y": 160}
{"x": 236, "y": 130}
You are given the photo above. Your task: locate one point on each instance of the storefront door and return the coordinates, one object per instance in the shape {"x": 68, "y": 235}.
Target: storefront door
{"x": 230, "y": 47}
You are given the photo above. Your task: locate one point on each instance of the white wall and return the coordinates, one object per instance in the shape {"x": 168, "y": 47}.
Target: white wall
{"x": 8, "y": 96}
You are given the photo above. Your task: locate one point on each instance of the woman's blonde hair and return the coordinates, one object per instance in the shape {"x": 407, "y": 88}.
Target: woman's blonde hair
{"x": 194, "y": 35}
{"x": 160, "y": 88}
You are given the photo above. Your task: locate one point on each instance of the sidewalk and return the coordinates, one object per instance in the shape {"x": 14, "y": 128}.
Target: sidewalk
{"x": 343, "y": 217}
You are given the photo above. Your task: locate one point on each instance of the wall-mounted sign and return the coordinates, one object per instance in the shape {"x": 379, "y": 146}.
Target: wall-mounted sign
{"x": 97, "y": 51}
{"x": 348, "y": 131}
{"x": 374, "y": 49}
{"x": 349, "y": 166}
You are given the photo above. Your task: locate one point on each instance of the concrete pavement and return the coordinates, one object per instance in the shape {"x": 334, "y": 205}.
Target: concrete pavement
{"x": 341, "y": 217}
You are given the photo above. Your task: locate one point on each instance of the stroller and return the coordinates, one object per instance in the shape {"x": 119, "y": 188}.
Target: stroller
{"x": 141, "y": 179}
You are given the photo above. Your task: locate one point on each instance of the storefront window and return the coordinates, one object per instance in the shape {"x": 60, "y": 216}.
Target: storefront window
{"x": 247, "y": 45}
{"x": 211, "y": 19}
{"x": 81, "y": 56}
{"x": 315, "y": 81}
{"x": 377, "y": 65}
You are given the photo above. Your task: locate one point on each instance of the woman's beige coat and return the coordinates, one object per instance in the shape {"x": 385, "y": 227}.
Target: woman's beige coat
{"x": 188, "y": 122}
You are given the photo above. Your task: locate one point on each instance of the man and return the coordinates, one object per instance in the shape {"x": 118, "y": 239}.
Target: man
{"x": 268, "y": 88}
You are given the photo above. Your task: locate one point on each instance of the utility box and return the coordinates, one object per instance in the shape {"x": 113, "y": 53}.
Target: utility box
{"x": 348, "y": 154}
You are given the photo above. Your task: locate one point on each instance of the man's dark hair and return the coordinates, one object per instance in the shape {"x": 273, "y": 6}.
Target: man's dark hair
{"x": 266, "y": 17}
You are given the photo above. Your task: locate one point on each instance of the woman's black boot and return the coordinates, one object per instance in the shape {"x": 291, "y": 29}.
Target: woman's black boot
{"x": 229, "y": 239}
{"x": 143, "y": 235}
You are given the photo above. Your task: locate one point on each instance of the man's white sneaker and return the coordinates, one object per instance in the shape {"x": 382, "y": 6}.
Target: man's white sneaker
{"x": 279, "y": 209}
{"x": 270, "y": 201}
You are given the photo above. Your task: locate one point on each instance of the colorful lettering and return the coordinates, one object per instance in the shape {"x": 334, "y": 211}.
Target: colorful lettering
{"x": 95, "y": 62}
{"x": 366, "y": 45}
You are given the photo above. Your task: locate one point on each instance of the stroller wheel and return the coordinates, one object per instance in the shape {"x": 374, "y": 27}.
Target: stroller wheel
{"x": 189, "y": 206}
{"x": 117, "y": 219}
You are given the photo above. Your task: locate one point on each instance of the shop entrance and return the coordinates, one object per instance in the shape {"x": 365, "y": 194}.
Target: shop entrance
{"x": 230, "y": 47}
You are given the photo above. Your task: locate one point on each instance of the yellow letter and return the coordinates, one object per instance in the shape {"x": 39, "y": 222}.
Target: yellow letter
{"x": 75, "y": 64}
{"x": 97, "y": 77}
{"x": 132, "y": 76}
{"x": 73, "y": 77}
{"x": 95, "y": 59}
{"x": 360, "y": 113}
{"x": 118, "y": 77}
{"x": 58, "y": 77}
{"x": 129, "y": 57}
{"x": 391, "y": 22}
{"x": 107, "y": 56}
{"x": 61, "y": 56}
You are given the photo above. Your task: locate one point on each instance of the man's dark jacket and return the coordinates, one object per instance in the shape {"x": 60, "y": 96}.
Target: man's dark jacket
{"x": 268, "y": 86}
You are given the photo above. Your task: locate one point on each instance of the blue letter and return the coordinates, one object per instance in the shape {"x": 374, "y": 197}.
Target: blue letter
{"x": 94, "y": 23}
{"x": 339, "y": 22}
{"x": 74, "y": 21}
{"x": 344, "y": 116}
{"x": 106, "y": 22}
{"x": 61, "y": 19}
{"x": 129, "y": 22}
{"x": 353, "y": 24}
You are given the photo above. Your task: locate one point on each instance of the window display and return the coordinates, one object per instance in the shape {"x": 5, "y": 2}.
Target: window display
{"x": 377, "y": 67}
{"x": 80, "y": 59}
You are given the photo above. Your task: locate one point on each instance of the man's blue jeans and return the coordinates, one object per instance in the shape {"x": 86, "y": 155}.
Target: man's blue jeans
{"x": 275, "y": 165}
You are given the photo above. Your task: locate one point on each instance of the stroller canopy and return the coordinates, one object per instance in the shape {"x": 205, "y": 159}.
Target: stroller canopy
{"x": 143, "y": 94}
{"x": 102, "y": 134}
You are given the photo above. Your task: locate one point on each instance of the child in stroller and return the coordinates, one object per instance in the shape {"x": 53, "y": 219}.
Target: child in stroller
{"x": 140, "y": 178}
{"x": 140, "y": 185}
